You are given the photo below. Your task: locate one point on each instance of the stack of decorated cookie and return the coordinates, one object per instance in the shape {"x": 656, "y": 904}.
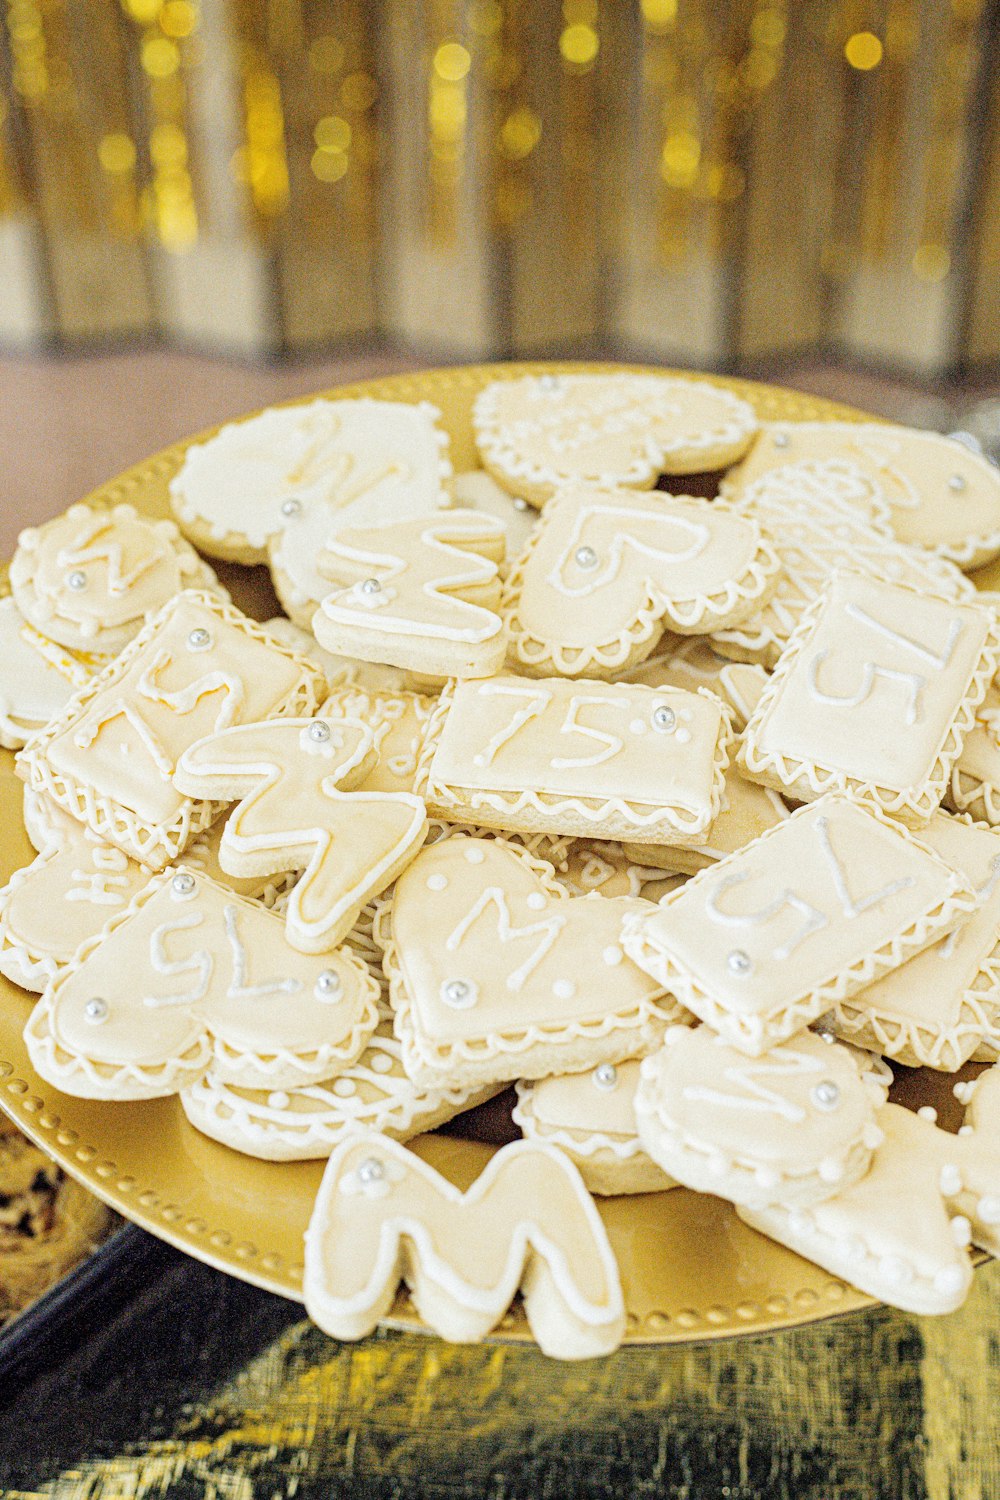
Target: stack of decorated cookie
{"x": 509, "y": 800}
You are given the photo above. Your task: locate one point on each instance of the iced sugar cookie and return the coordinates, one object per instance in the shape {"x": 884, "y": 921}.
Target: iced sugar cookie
{"x": 91, "y": 578}
{"x": 343, "y": 671}
{"x": 37, "y": 677}
{"x": 935, "y": 1009}
{"x": 876, "y": 693}
{"x": 197, "y": 667}
{"x": 64, "y": 897}
{"x": 398, "y": 721}
{"x": 940, "y": 495}
{"x": 607, "y": 571}
{"x": 788, "y": 1127}
{"x": 292, "y": 780}
{"x": 239, "y": 491}
{"x": 746, "y": 811}
{"x": 190, "y": 976}
{"x": 301, "y": 1124}
{"x": 591, "y": 1116}
{"x": 688, "y": 662}
{"x": 541, "y": 431}
{"x": 425, "y": 595}
{"x": 477, "y": 490}
{"x": 609, "y": 760}
{"x": 70, "y": 890}
{"x": 384, "y": 1215}
{"x": 763, "y": 942}
{"x": 822, "y": 516}
{"x": 605, "y": 867}
{"x": 894, "y": 1233}
{"x": 496, "y": 973}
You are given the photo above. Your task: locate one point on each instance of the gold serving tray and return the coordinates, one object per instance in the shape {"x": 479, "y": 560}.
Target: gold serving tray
{"x": 690, "y": 1269}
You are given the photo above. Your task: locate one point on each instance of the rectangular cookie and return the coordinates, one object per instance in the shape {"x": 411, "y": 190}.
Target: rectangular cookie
{"x": 935, "y": 1010}
{"x": 606, "y": 760}
{"x": 875, "y": 694}
{"x": 765, "y": 941}
{"x": 197, "y": 667}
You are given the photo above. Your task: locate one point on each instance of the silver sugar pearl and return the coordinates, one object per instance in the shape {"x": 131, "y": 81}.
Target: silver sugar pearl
{"x": 520, "y": 504}
{"x": 739, "y": 962}
{"x": 96, "y": 1011}
{"x": 199, "y": 640}
{"x": 183, "y": 884}
{"x": 781, "y": 440}
{"x": 664, "y": 719}
{"x": 826, "y": 1095}
{"x": 371, "y": 1170}
{"x": 957, "y": 482}
{"x": 606, "y": 1076}
{"x": 291, "y": 507}
{"x": 76, "y": 580}
{"x": 585, "y": 557}
{"x": 371, "y": 586}
{"x": 456, "y": 991}
{"x": 328, "y": 982}
{"x": 319, "y": 732}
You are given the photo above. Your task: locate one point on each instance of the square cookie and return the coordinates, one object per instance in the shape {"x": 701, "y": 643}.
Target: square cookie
{"x": 611, "y": 760}
{"x": 763, "y": 942}
{"x": 198, "y": 666}
{"x": 875, "y": 693}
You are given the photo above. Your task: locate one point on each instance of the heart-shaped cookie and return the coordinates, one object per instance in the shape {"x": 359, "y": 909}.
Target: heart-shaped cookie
{"x": 191, "y": 976}
{"x": 606, "y": 571}
{"x": 541, "y": 431}
{"x": 292, "y": 815}
{"x": 496, "y": 973}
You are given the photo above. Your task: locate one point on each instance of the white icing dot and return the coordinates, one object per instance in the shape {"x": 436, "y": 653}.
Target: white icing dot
{"x": 612, "y": 955}
{"x": 344, "y": 1087}
{"x": 564, "y": 989}
{"x": 474, "y": 855}
{"x": 278, "y": 1101}
{"x": 381, "y": 1063}
{"x": 682, "y": 736}
{"x": 437, "y": 882}
{"x": 536, "y": 901}
{"x": 637, "y": 726}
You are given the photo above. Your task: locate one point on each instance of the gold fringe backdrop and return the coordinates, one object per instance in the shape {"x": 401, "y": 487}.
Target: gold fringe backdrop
{"x": 714, "y": 182}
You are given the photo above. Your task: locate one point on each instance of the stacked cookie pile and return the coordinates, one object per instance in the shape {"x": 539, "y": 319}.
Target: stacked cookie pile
{"x": 679, "y": 814}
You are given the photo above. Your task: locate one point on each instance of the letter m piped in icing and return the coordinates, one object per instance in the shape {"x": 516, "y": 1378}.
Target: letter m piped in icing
{"x": 424, "y": 594}
{"x": 383, "y": 1215}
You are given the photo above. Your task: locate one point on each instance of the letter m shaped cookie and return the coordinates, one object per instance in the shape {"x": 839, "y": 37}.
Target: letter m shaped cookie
{"x": 383, "y": 1214}
{"x": 425, "y": 595}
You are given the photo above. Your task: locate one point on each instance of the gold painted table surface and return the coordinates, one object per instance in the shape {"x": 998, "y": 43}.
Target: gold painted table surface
{"x": 692, "y": 1271}
{"x": 210, "y": 1389}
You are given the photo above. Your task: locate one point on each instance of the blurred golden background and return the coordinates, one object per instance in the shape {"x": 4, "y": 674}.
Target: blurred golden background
{"x": 717, "y": 183}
